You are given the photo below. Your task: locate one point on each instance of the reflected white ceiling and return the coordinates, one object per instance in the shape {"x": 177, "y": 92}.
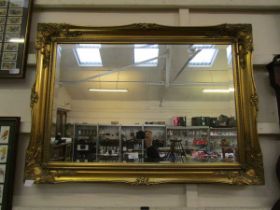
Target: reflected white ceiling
{"x": 145, "y": 83}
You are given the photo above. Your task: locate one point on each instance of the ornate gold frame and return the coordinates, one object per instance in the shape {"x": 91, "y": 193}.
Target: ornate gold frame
{"x": 248, "y": 171}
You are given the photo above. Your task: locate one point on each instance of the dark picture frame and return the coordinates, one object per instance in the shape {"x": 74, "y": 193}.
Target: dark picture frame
{"x": 9, "y": 132}
{"x": 15, "y": 17}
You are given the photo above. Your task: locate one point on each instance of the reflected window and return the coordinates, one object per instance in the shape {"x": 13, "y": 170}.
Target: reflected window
{"x": 88, "y": 55}
{"x": 204, "y": 57}
{"x": 229, "y": 54}
{"x": 146, "y": 55}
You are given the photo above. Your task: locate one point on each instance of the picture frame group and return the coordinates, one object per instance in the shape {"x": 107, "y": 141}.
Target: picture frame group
{"x": 9, "y": 132}
{"x": 14, "y": 32}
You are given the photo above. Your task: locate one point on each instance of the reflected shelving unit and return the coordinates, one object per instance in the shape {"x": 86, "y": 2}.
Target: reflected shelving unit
{"x": 121, "y": 143}
{"x": 185, "y": 143}
{"x": 109, "y": 144}
{"x": 132, "y": 145}
{"x": 85, "y": 140}
{"x": 223, "y": 141}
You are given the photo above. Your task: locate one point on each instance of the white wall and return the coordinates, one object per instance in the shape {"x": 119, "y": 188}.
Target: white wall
{"x": 15, "y": 101}
{"x": 131, "y": 112}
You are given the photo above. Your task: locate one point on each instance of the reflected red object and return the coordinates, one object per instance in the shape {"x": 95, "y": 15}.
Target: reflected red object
{"x": 200, "y": 155}
{"x": 200, "y": 142}
{"x": 203, "y": 155}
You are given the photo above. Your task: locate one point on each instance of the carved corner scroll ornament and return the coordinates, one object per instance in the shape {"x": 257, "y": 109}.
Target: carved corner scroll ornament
{"x": 245, "y": 45}
{"x": 32, "y": 168}
{"x": 48, "y": 33}
{"x": 249, "y": 177}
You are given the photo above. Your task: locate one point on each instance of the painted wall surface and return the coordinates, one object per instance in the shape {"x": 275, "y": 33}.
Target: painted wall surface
{"x": 14, "y": 101}
{"x": 132, "y": 112}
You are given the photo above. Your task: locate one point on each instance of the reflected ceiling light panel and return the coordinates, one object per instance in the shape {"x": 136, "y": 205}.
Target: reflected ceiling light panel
{"x": 17, "y": 40}
{"x": 88, "y": 54}
{"x": 204, "y": 58}
{"x": 229, "y": 90}
{"x": 144, "y": 52}
{"x": 108, "y": 90}
{"x": 202, "y": 46}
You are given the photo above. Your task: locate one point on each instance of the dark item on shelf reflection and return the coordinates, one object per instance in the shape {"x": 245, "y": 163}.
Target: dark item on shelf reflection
{"x": 200, "y": 121}
{"x": 158, "y": 143}
{"x": 109, "y": 136}
{"x": 155, "y": 123}
{"x": 220, "y": 122}
{"x": 225, "y": 121}
{"x": 58, "y": 139}
{"x": 200, "y": 142}
{"x": 140, "y": 134}
{"x": 213, "y": 122}
{"x": 82, "y": 147}
{"x": 227, "y": 151}
{"x": 231, "y": 122}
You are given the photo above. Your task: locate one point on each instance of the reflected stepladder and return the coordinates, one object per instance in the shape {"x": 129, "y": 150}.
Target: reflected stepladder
{"x": 144, "y": 104}
{"x": 182, "y": 93}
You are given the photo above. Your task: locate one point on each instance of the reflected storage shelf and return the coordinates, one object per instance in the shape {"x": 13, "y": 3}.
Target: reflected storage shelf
{"x": 201, "y": 143}
{"x": 185, "y": 141}
{"x": 108, "y": 144}
{"x": 132, "y": 144}
{"x": 223, "y": 141}
{"x": 121, "y": 143}
{"x": 84, "y": 146}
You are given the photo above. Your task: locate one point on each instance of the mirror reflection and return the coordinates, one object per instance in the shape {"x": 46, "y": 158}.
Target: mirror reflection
{"x": 144, "y": 103}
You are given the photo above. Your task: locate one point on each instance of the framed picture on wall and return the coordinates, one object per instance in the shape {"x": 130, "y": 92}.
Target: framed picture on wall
{"x": 14, "y": 32}
{"x": 9, "y": 131}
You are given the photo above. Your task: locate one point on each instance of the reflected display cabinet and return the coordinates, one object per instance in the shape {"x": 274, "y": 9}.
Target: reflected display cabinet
{"x": 85, "y": 143}
{"x": 111, "y": 143}
{"x": 132, "y": 144}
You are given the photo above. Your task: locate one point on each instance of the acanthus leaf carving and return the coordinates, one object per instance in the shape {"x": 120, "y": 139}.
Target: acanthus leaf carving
{"x": 142, "y": 180}
{"x": 254, "y": 100}
{"x": 34, "y": 96}
{"x": 248, "y": 177}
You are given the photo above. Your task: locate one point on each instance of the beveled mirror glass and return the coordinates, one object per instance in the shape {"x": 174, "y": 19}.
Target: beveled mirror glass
{"x": 144, "y": 104}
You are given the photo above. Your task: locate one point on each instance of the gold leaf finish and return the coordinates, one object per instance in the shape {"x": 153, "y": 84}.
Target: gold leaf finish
{"x": 254, "y": 100}
{"x": 34, "y": 97}
{"x": 247, "y": 171}
{"x": 141, "y": 181}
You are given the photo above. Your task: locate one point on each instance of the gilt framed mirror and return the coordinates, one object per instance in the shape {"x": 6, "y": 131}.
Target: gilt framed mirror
{"x": 144, "y": 104}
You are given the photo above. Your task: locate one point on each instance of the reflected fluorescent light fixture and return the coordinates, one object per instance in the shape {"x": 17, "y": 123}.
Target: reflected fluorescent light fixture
{"x": 202, "y": 46}
{"x": 16, "y": 40}
{"x": 229, "y": 90}
{"x": 109, "y": 90}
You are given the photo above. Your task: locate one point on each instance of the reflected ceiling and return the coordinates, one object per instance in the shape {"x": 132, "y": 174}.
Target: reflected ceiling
{"x": 173, "y": 79}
